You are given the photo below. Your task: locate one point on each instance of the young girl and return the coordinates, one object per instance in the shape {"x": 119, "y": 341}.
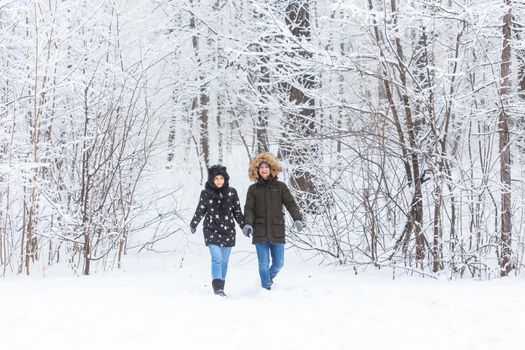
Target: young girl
{"x": 219, "y": 203}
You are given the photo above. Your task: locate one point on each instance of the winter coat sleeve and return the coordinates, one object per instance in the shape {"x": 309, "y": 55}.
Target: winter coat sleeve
{"x": 249, "y": 206}
{"x": 236, "y": 210}
{"x": 200, "y": 211}
{"x": 290, "y": 204}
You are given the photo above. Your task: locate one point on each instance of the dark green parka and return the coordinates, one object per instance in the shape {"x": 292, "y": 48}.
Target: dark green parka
{"x": 264, "y": 203}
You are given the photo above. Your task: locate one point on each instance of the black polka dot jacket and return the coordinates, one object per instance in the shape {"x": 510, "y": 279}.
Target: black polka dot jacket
{"x": 219, "y": 208}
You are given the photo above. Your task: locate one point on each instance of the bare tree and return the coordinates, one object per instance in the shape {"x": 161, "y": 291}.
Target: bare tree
{"x": 504, "y": 147}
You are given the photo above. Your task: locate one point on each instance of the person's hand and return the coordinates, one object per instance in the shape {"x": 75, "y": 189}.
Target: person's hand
{"x": 298, "y": 225}
{"x": 247, "y": 230}
{"x": 193, "y": 229}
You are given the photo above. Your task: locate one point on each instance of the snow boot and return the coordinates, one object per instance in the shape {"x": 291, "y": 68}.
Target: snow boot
{"x": 218, "y": 287}
{"x": 221, "y": 290}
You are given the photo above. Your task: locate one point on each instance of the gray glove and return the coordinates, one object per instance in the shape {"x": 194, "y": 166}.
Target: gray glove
{"x": 193, "y": 229}
{"x": 247, "y": 230}
{"x": 298, "y": 225}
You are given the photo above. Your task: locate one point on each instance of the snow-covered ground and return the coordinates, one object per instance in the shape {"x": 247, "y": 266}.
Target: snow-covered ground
{"x": 165, "y": 302}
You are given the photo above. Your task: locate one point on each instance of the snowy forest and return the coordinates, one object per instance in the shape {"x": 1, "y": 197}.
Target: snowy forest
{"x": 399, "y": 124}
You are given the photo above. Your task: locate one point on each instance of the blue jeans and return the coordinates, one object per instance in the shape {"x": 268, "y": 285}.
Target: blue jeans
{"x": 264, "y": 252}
{"x": 219, "y": 261}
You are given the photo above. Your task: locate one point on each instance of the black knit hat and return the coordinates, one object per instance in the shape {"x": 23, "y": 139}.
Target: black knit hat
{"x": 218, "y": 170}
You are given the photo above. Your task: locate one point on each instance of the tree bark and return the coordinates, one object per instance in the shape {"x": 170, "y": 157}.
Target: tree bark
{"x": 300, "y": 122}
{"x": 504, "y": 148}
{"x": 520, "y": 57}
{"x": 263, "y": 86}
{"x": 203, "y": 98}
{"x": 416, "y": 207}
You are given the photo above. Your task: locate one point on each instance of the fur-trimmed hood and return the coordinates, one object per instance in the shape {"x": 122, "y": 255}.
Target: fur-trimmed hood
{"x": 218, "y": 170}
{"x": 275, "y": 167}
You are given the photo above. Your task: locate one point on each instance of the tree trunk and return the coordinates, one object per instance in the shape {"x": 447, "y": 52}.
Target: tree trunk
{"x": 172, "y": 134}
{"x": 443, "y": 165}
{"x": 520, "y": 57}
{"x": 504, "y": 148}
{"x": 263, "y": 87}
{"x": 203, "y": 98}
{"x": 297, "y": 145}
{"x": 203, "y": 123}
{"x": 31, "y": 245}
{"x": 221, "y": 101}
{"x": 416, "y": 207}
{"x": 84, "y": 193}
